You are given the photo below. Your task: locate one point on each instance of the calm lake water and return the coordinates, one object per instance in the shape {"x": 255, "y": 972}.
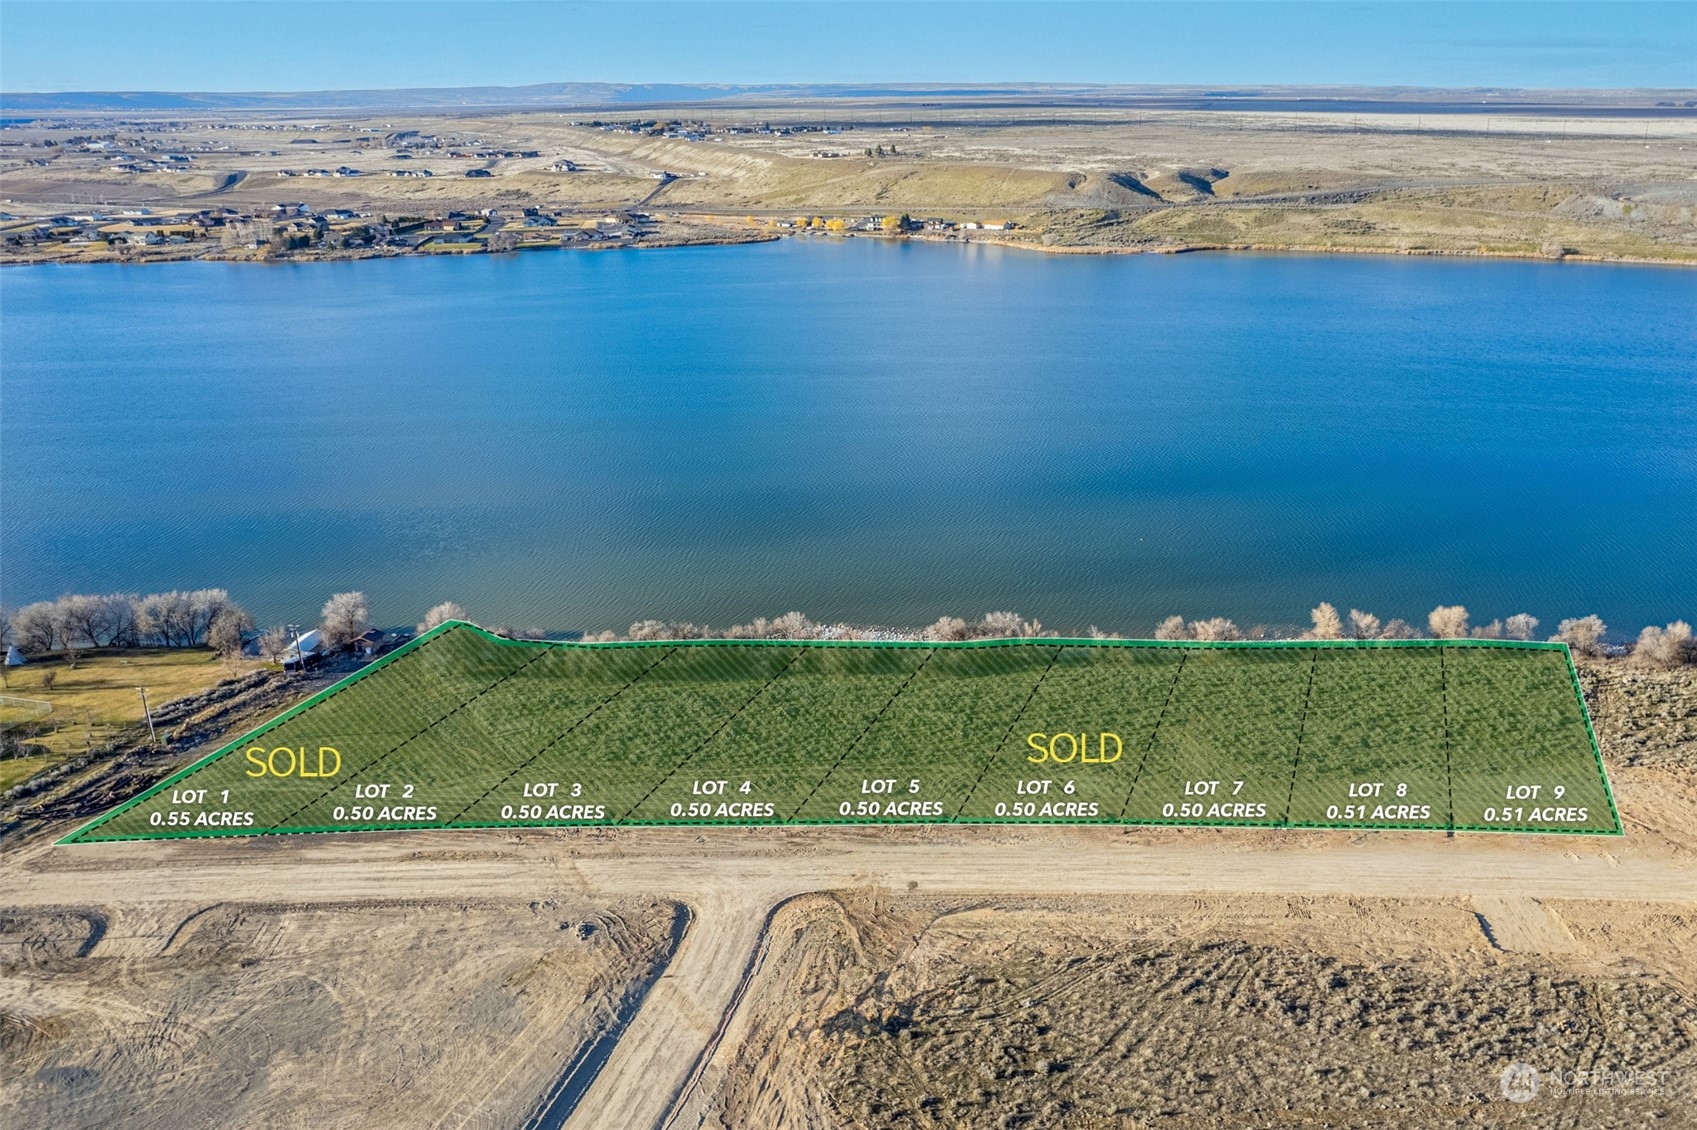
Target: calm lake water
{"x": 874, "y": 432}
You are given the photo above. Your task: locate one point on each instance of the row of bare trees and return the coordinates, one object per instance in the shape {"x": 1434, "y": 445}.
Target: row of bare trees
{"x": 163, "y": 619}
{"x": 1586, "y": 635}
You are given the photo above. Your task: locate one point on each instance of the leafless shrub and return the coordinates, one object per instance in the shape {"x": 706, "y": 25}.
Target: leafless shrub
{"x": 48, "y": 678}
{"x": 992, "y": 625}
{"x": 1218, "y": 628}
{"x": 1665, "y": 647}
{"x": 1327, "y": 624}
{"x": 604, "y": 636}
{"x": 1172, "y": 628}
{"x": 947, "y": 629}
{"x": 665, "y": 630}
{"x": 1447, "y": 622}
{"x": 1006, "y": 625}
{"x": 1491, "y": 631}
{"x": 1520, "y": 626}
{"x": 791, "y": 625}
{"x": 440, "y": 615}
{"x": 1583, "y": 634}
{"x": 1363, "y": 625}
{"x": 346, "y": 617}
{"x": 794, "y": 626}
{"x": 1098, "y": 634}
{"x": 1399, "y": 629}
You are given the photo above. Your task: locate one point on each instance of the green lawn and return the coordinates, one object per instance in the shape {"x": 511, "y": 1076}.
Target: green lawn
{"x": 461, "y": 729}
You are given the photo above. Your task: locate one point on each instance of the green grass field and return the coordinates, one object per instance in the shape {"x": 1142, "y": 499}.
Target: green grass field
{"x": 461, "y": 729}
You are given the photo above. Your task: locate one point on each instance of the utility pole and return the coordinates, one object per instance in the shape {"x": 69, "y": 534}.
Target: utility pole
{"x": 152, "y": 734}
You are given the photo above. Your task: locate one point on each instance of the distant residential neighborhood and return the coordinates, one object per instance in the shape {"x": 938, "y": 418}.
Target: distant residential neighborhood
{"x": 553, "y": 193}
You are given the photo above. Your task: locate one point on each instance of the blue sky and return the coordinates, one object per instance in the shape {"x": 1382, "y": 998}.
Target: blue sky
{"x": 216, "y": 45}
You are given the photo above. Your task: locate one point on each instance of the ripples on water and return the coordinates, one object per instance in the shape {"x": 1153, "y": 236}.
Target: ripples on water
{"x": 872, "y": 432}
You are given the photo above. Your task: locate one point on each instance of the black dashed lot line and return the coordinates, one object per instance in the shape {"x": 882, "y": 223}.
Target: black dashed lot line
{"x": 848, "y": 749}
{"x": 690, "y": 756}
{"x": 374, "y": 762}
{"x": 562, "y": 736}
{"x": 991, "y": 760}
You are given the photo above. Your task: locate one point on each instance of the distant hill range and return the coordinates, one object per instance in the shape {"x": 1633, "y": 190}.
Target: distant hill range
{"x": 629, "y": 96}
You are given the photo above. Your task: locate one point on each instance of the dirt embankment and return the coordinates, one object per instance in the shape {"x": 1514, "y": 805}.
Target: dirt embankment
{"x": 426, "y": 1013}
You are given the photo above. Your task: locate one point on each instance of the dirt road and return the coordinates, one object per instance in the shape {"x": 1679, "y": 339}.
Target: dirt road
{"x": 732, "y": 879}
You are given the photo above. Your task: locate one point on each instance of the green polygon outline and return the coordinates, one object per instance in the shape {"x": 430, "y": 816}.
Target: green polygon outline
{"x": 80, "y": 835}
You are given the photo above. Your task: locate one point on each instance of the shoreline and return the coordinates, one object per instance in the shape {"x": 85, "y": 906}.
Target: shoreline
{"x": 1315, "y": 249}
{"x": 739, "y": 239}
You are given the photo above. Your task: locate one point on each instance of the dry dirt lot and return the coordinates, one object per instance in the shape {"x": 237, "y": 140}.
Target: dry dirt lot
{"x": 376, "y": 1013}
{"x": 1185, "y": 1011}
{"x": 952, "y": 976}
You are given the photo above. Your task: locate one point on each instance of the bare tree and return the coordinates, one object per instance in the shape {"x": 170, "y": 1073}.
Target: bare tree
{"x": 604, "y": 636}
{"x": 1583, "y": 634}
{"x": 1399, "y": 629}
{"x": 1665, "y": 647}
{"x": 346, "y": 617}
{"x": 1520, "y": 626}
{"x": 84, "y": 618}
{"x": 440, "y": 615}
{"x": 228, "y": 633}
{"x": 1491, "y": 631}
{"x": 205, "y": 606}
{"x": 1447, "y": 622}
{"x": 121, "y": 608}
{"x": 5, "y": 628}
{"x": 1327, "y": 624}
{"x": 37, "y": 626}
{"x": 1218, "y": 628}
{"x": 166, "y": 618}
{"x": 1172, "y": 628}
{"x": 1363, "y": 625}
{"x": 275, "y": 643}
